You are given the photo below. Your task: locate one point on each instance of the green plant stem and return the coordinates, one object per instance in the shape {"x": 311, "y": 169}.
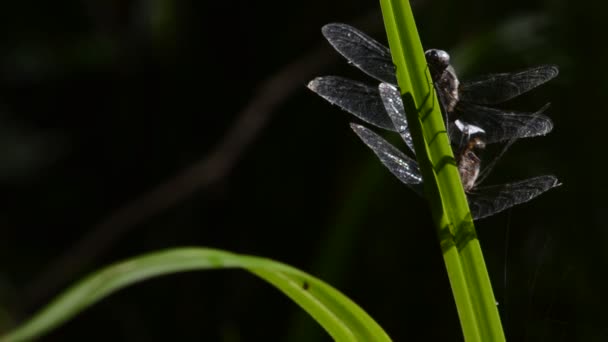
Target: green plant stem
{"x": 461, "y": 250}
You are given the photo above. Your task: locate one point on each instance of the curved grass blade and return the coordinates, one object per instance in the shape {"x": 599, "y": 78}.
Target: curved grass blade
{"x": 338, "y": 315}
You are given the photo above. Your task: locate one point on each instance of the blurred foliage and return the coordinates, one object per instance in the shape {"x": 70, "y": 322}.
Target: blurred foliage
{"x": 103, "y": 100}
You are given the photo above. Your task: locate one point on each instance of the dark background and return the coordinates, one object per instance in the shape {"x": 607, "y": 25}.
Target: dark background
{"x": 131, "y": 126}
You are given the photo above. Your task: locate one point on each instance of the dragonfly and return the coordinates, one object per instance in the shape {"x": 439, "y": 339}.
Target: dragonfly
{"x": 383, "y": 107}
{"x": 464, "y": 104}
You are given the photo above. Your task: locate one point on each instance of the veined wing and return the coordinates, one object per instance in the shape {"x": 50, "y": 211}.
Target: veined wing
{"x": 487, "y": 201}
{"x": 534, "y": 125}
{"x": 362, "y": 51}
{"x": 497, "y": 88}
{"x": 400, "y": 165}
{"x": 483, "y": 201}
{"x": 396, "y": 112}
{"x": 500, "y": 125}
{"x": 382, "y": 107}
{"x": 357, "y": 98}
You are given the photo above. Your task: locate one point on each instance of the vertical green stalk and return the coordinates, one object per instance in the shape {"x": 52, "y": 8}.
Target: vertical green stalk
{"x": 461, "y": 250}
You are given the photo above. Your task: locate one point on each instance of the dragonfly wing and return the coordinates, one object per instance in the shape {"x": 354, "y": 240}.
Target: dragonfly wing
{"x": 497, "y": 88}
{"x": 394, "y": 107}
{"x": 487, "y": 201}
{"x": 357, "y": 98}
{"x": 502, "y": 125}
{"x": 361, "y": 50}
{"x": 400, "y": 165}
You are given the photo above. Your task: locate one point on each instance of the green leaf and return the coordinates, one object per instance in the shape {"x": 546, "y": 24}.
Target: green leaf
{"x": 338, "y": 315}
{"x": 461, "y": 250}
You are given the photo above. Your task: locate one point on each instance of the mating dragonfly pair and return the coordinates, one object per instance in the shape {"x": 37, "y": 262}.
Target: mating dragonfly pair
{"x": 470, "y": 122}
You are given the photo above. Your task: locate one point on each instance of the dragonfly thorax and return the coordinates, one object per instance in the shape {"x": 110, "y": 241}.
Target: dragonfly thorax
{"x": 444, "y": 77}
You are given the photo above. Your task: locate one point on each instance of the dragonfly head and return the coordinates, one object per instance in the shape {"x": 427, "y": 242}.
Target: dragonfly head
{"x": 437, "y": 59}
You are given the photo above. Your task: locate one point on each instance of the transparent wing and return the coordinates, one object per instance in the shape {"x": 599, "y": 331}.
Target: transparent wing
{"x": 396, "y": 112}
{"x": 357, "y": 98}
{"x": 500, "y": 125}
{"x": 487, "y": 201}
{"x": 362, "y": 51}
{"x": 527, "y": 128}
{"x": 400, "y": 165}
{"x": 497, "y": 88}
